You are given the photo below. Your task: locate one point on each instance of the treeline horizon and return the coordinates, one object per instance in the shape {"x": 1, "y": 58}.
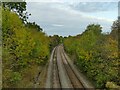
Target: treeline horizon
{"x": 78, "y": 34}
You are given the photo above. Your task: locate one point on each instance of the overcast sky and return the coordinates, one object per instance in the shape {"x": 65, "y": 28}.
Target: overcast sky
{"x": 71, "y": 18}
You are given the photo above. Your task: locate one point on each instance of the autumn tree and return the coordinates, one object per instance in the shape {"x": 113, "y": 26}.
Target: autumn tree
{"x": 18, "y": 7}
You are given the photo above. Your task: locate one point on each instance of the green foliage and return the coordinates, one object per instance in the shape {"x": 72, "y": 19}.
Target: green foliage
{"x": 115, "y": 29}
{"x": 15, "y": 77}
{"x": 55, "y": 40}
{"x": 111, "y": 85}
{"x": 11, "y": 78}
{"x": 18, "y": 7}
{"x": 23, "y": 46}
{"x": 34, "y": 26}
{"x": 97, "y": 55}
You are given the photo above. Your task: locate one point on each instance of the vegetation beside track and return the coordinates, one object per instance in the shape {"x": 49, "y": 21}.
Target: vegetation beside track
{"x": 25, "y": 46}
{"x": 96, "y": 54}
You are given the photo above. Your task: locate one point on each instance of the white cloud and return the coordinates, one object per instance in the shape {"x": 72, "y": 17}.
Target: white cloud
{"x": 94, "y": 6}
{"x": 57, "y": 25}
{"x": 59, "y": 18}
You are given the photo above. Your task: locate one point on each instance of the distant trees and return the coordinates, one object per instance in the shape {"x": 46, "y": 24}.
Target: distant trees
{"x": 95, "y": 28}
{"x": 96, "y": 54}
{"x": 55, "y": 40}
{"x": 115, "y": 28}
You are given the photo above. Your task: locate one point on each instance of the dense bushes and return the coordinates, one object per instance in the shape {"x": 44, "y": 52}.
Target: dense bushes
{"x": 24, "y": 46}
{"x": 96, "y": 54}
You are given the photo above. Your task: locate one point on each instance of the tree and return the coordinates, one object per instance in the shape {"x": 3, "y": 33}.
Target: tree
{"x": 34, "y": 25}
{"x": 97, "y": 29}
{"x": 115, "y": 29}
{"x": 19, "y": 8}
{"x": 23, "y": 47}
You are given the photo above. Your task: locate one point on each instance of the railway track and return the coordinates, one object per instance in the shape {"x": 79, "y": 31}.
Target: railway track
{"x": 62, "y": 73}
